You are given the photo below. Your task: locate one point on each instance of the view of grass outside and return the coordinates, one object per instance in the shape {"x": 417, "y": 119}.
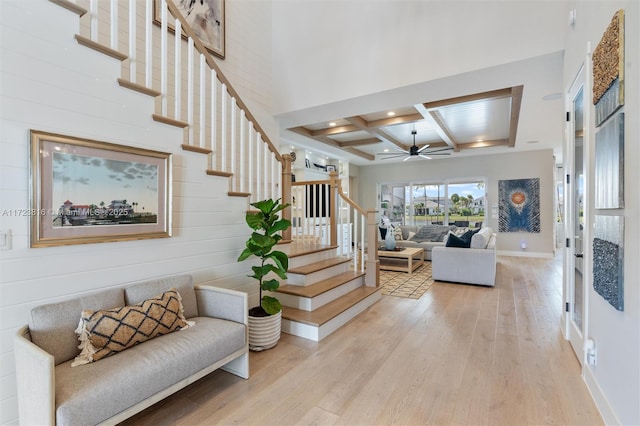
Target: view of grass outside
{"x": 417, "y": 204}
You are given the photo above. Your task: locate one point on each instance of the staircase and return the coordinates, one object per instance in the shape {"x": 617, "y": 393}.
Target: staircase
{"x": 323, "y": 292}
{"x": 327, "y": 282}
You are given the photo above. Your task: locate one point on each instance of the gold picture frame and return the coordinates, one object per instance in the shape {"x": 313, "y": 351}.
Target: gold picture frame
{"x": 86, "y": 191}
{"x": 206, "y": 19}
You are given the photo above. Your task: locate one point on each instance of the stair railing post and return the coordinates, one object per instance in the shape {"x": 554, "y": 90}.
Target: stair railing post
{"x": 333, "y": 208}
{"x": 286, "y": 193}
{"x": 372, "y": 274}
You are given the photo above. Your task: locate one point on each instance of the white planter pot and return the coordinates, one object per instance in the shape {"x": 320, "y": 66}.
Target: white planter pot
{"x": 264, "y": 332}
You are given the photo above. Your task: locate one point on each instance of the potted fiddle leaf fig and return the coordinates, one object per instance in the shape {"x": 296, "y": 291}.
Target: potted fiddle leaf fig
{"x": 265, "y": 319}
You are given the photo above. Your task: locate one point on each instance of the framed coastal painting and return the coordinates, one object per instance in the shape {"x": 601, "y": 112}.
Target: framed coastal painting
{"x": 86, "y": 191}
{"x": 206, "y": 19}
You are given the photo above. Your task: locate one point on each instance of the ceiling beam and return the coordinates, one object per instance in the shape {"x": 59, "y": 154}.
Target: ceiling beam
{"x": 484, "y": 144}
{"x": 438, "y": 126}
{"x": 328, "y": 141}
{"x": 516, "y": 102}
{"x": 334, "y": 130}
{"x": 362, "y": 154}
{"x": 362, "y": 124}
{"x": 492, "y": 94}
{"x": 391, "y": 121}
{"x": 359, "y": 142}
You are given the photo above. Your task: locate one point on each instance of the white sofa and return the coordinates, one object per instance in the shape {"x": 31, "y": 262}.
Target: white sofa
{"x": 474, "y": 265}
{"x": 433, "y": 237}
{"x": 114, "y": 388}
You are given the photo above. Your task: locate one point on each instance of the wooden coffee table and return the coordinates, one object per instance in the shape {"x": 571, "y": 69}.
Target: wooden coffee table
{"x": 407, "y": 260}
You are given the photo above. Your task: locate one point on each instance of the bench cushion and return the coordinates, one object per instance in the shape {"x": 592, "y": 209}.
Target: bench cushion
{"x": 92, "y": 393}
{"x": 52, "y": 326}
{"x": 137, "y": 293}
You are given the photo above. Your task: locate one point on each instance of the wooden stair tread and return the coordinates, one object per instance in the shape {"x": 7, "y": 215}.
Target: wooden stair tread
{"x": 100, "y": 48}
{"x": 321, "y": 286}
{"x": 318, "y": 266}
{"x": 329, "y": 311}
{"x": 301, "y": 249}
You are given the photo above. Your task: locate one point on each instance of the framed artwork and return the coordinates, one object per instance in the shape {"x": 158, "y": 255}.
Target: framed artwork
{"x": 206, "y": 19}
{"x": 608, "y": 259}
{"x": 331, "y": 168}
{"x": 608, "y": 70}
{"x": 86, "y": 191}
{"x": 519, "y": 205}
{"x": 307, "y": 164}
{"x": 609, "y": 164}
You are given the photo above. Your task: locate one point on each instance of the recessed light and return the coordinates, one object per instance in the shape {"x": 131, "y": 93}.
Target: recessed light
{"x": 386, "y": 150}
{"x": 391, "y": 113}
{"x": 479, "y": 140}
{"x": 332, "y": 124}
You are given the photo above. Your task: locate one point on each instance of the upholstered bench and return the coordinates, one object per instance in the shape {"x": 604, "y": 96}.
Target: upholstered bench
{"x": 113, "y": 388}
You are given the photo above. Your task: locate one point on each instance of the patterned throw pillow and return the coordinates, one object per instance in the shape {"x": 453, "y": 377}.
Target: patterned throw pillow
{"x": 397, "y": 233}
{"x": 107, "y": 332}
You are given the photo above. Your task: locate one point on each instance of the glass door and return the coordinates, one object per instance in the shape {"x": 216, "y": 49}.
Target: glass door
{"x": 574, "y": 279}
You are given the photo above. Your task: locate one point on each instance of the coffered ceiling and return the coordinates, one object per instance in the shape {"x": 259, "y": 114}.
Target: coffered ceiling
{"x": 475, "y": 121}
{"x": 512, "y": 107}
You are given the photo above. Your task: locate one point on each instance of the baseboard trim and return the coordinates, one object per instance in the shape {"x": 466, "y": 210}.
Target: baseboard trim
{"x": 524, "y": 254}
{"x": 599, "y": 398}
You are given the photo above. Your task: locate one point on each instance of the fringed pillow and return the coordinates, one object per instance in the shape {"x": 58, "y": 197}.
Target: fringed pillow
{"x": 107, "y": 332}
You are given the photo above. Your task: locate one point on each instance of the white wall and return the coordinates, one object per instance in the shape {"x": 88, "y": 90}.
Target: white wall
{"x": 325, "y": 51}
{"x": 51, "y": 83}
{"x": 615, "y": 381}
{"x": 533, "y": 164}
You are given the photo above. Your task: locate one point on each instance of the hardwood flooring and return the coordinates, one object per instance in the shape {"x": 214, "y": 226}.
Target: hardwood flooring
{"x": 460, "y": 355}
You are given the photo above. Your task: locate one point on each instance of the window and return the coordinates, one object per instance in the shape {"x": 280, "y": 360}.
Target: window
{"x": 460, "y": 203}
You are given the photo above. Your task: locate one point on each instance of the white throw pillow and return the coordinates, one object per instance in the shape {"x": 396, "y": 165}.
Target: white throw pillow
{"x": 481, "y": 238}
{"x": 411, "y": 234}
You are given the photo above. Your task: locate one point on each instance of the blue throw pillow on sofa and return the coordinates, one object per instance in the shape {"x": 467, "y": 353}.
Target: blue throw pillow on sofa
{"x": 463, "y": 241}
{"x": 454, "y": 241}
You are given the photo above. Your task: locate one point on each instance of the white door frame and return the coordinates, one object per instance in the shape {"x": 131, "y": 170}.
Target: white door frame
{"x": 571, "y": 332}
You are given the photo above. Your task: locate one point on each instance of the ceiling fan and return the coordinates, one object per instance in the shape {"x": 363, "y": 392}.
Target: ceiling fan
{"x": 414, "y": 151}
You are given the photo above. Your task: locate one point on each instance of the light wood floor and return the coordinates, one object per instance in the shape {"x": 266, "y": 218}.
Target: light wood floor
{"x": 459, "y": 355}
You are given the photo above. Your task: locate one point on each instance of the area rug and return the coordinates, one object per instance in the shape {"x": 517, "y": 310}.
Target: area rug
{"x": 402, "y": 284}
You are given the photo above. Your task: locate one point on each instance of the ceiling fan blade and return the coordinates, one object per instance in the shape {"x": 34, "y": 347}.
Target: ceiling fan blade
{"x": 424, "y": 156}
{"x": 423, "y": 148}
{"x": 400, "y": 149}
{"x": 408, "y": 158}
{"x": 438, "y": 153}
{"x": 439, "y": 150}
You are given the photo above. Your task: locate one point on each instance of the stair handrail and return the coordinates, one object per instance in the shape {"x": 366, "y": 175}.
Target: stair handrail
{"x": 324, "y": 214}
{"x": 175, "y": 12}
{"x": 369, "y": 238}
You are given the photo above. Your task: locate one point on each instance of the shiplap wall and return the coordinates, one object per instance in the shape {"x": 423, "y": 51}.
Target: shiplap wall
{"x": 51, "y": 83}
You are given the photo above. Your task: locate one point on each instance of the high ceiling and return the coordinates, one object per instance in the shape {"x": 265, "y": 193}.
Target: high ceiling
{"x": 512, "y": 107}
{"x": 475, "y": 121}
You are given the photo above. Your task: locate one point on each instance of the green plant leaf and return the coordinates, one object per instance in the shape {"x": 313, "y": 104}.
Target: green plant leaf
{"x": 265, "y": 206}
{"x": 281, "y": 259}
{"x": 271, "y": 305}
{"x": 280, "y": 225}
{"x": 262, "y": 271}
{"x": 246, "y": 253}
{"x": 255, "y": 220}
{"x": 270, "y": 285}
